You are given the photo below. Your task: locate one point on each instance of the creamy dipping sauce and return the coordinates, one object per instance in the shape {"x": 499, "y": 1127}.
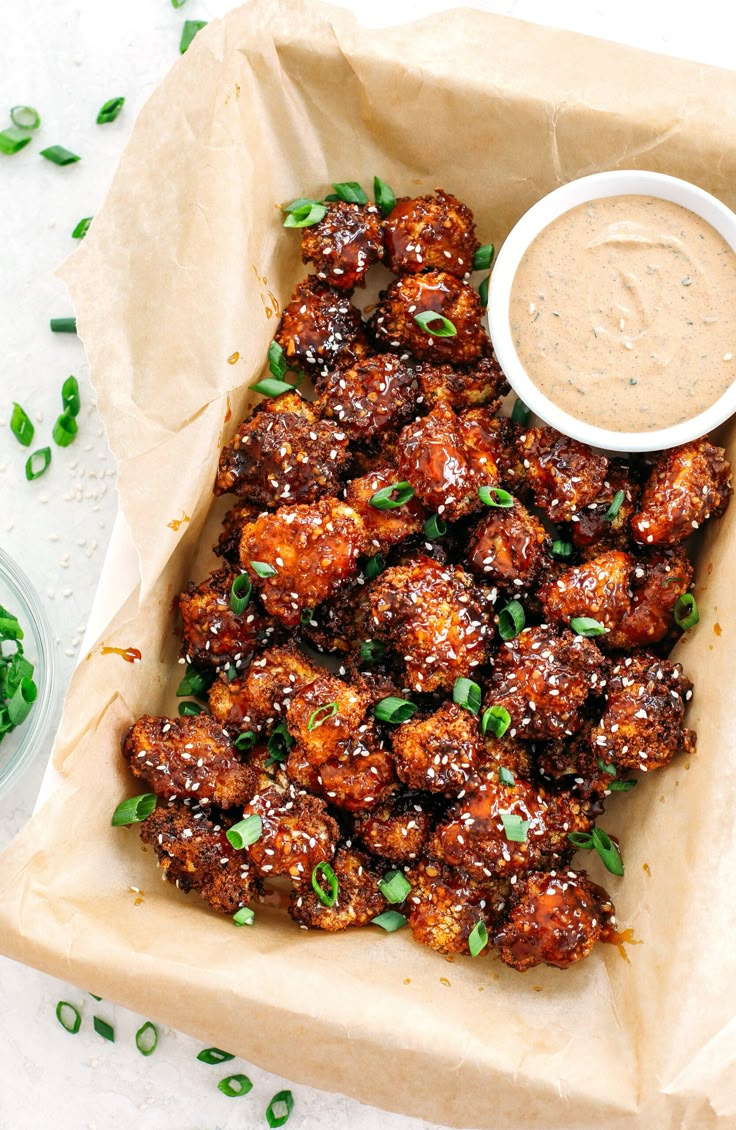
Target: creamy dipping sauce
{"x": 623, "y": 313}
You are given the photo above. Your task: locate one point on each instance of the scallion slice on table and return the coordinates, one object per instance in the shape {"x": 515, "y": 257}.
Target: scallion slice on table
{"x": 496, "y": 719}
{"x": 37, "y": 463}
{"x": 58, "y": 155}
{"x": 214, "y": 1055}
{"x": 235, "y": 1085}
{"x": 82, "y": 228}
{"x": 146, "y": 1038}
{"x": 240, "y": 593}
{"x": 392, "y": 497}
{"x": 390, "y": 921}
{"x": 70, "y": 396}
{"x": 269, "y": 386}
{"x": 511, "y": 620}
{"x": 102, "y": 1028}
{"x": 520, "y": 413}
{"x": 435, "y": 324}
{"x": 25, "y": 117}
{"x": 279, "y": 1109}
{"x": 276, "y": 360}
{"x": 350, "y": 192}
{"x": 188, "y": 32}
{"x": 12, "y": 140}
{"x": 63, "y": 325}
{"x": 133, "y": 810}
{"x": 21, "y": 426}
{"x": 384, "y": 196}
{"x": 478, "y": 938}
{"x": 178, "y": 3}
{"x": 483, "y": 257}
{"x": 65, "y": 430}
{"x": 322, "y": 874}
{"x": 244, "y": 916}
{"x": 394, "y": 886}
{"x": 245, "y": 832}
{"x": 306, "y": 215}
{"x": 686, "y": 612}
{"x": 599, "y": 841}
{"x": 467, "y": 694}
{"x": 110, "y": 111}
{"x": 72, "y": 1024}
{"x": 394, "y": 710}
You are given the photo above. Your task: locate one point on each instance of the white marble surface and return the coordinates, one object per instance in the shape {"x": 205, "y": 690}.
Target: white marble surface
{"x": 67, "y": 57}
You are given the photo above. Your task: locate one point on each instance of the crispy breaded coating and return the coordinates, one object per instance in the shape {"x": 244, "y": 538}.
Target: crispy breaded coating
{"x": 563, "y": 475}
{"x": 372, "y": 397}
{"x": 195, "y": 854}
{"x": 298, "y": 832}
{"x": 344, "y": 244}
{"x": 359, "y": 779}
{"x": 687, "y": 485}
{"x": 510, "y": 753}
{"x": 509, "y": 547}
{"x": 259, "y": 698}
{"x": 336, "y": 623}
{"x": 555, "y": 919}
{"x": 439, "y": 753}
{"x": 283, "y": 454}
{"x": 446, "y": 458}
{"x": 445, "y": 905}
{"x": 599, "y": 589}
{"x": 543, "y": 679}
{"x": 214, "y": 635}
{"x": 481, "y": 384}
{"x": 228, "y": 544}
{"x": 393, "y": 322}
{"x": 398, "y": 828}
{"x": 320, "y": 329}
{"x": 359, "y": 898}
{"x": 325, "y": 715}
{"x": 592, "y": 531}
{"x": 643, "y": 723}
{"x": 384, "y": 527}
{"x": 475, "y": 836}
{"x": 657, "y": 583}
{"x": 313, "y": 548}
{"x": 434, "y": 231}
{"x": 576, "y": 764}
{"x": 435, "y": 618}
{"x": 188, "y": 757}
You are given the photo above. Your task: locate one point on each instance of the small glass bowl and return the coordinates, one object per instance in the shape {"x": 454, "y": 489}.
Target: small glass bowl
{"x": 18, "y": 596}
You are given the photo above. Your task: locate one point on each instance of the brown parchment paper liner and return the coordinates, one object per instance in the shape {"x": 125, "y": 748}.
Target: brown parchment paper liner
{"x": 185, "y": 265}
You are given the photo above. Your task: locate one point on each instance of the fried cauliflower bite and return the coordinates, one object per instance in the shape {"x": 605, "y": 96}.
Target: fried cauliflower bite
{"x": 480, "y": 385}
{"x": 359, "y": 779}
{"x": 599, "y": 589}
{"x": 434, "y": 617}
{"x": 643, "y": 722}
{"x": 576, "y": 764}
{"x": 324, "y": 715}
{"x": 228, "y": 543}
{"x": 504, "y": 830}
{"x": 297, "y": 832}
{"x": 258, "y": 699}
{"x": 320, "y": 329}
{"x": 446, "y": 458}
{"x": 283, "y": 453}
{"x": 509, "y": 548}
{"x": 384, "y": 527}
{"x": 440, "y": 753}
{"x": 445, "y": 905}
{"x": 555, "y": 919}
{"x": 509, "y": 753}
{"x": 376, "y": 395}
{"x": 563, "y": 475}
{"x": 344, "y": 244}
{"x": 543, "y": 679}
{"x": 687, "y": 485}
{"x": 335, "y": 624}
{"x": 313, "y": 549}
{"x": 195, "y": 854}
{"x": 393, "y": 322}
{"x": 359, "y": 898}
{"x": 188, "y": 757}
{"x": 214, "y": 635}
{"x": 434, "y": 231}
{"x": 657, "y": 583}
{"x": 593, "y": 531}
{"x": 398, "y": 828}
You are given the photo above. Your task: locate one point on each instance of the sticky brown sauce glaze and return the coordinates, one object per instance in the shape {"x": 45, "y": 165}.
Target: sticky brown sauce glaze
{"x": 623, "y": 313}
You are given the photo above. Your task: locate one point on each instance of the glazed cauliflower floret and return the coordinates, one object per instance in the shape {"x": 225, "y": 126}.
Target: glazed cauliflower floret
{"x": 214, "y": 635}
{"x": 313, "y": 549}
{"x": 376, "y": 395}
{"x": 440, "y": 753}
{"x": 228, "y": 543}
{"x": 445, "y": 905}
{"x": 283, "y": 454}
{"x": 298, "y": 832}
{"x": 394, "y": 322}
{"x": 398, "y": 828}
{"x": 336, "y": 623}
{"x": 320, "y": 329}
{"x": 359, "y": 779}
{"x": 359, "y": 897}
{"x": 599, "y": 589}
{"x": 480, "y": 385}
{"x": 434, "y": 231}
{"x": 509, "y": 547}
{"x": 563, "y": 475}
{"x": 384, "y": 527}
{"x": 657, "y": 583}
{"x": 324, "y": 715}
{"x": 344, "y": 244}
{"x": 688, "y": 485}
{"x": 595, "y": 528}
{"x": 258, "y": 699}
{"x": 555, "y": 919}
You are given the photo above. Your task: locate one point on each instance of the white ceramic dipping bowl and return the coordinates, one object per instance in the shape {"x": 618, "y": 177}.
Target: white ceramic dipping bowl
{"x": 626, "y": 182}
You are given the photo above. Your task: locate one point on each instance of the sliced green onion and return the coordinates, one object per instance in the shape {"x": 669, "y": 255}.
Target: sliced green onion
{"x": 581, "y": 840}
{"x": 245, "y": 741}
{"x": 25, "y": 117}
{"x": 194, "y": 682}
{"x": 374, "y": 566}
{"x": 372, "y": 651}
{"x": 467, "y": 694}
{"x": 70, "y": 396}
{"x": 146, "y": 1038}
{"x": 326, "y": 897}
{"x": 321, "y": 715}
{"x": 133, "y": 810}
{"x": 514, "y": 827}
{"x": 37, "y": 463}
{"x": 394, "y": 886}
{"x": 12, "y": 140}
{"x": 496, "y": 497}
{"x": 621, "y": 786}
{"x": 383, "y": 195}
{"x": 262, "y": 569}
{"x": 245, "y": 832}
{"x": 82, "y": 228}
{"x": 178, "y": 3}
{"x": 586, "y": 626}
{"x": 610, "y": 768}
{"x": 384, "y": 499}
{"x": 278, "y": 744}
{"x": 279, "y": 1109}
{"x": 65, "y": 430}
{"x": 608, "y": 852}
{"x": 427, "y": 318}
{"x": 188, "y": 32}
{"x": 20, "y": 705}
{"x": 306, "y": 616}
{"x": 562, "y": 549}
{"x": 240, "y": 592}
{"x": 63, "y": 325}
{"x": 506, "y": 777}
{"x": 10, "y": 628}
{"x": 435, "y": 527}
{"x": 686, "y": 611}
{"x": 351, "y": 192}
{"x": 276, "y": 361}
{"x": 21, "y": 426}
{"x": 478, "y": 938}
{"x": 496, "y": 719}
{"x": 269, "y": 386}
{"x": 244, "y": 916}
{"x": 235, "y": 1085}
{"x": 297, "y": 204}
{"x": 511, "y": 619}
{"x": 214, "y": 1055}
{"x": 58, "y": 155}
{"x": 483, "y": 291}
{"x": 395, "y": 710}
{"x": 110, "y": 111}
{"x": 520, "y": 413}
{"x": 306, "y": 216}
{"x": 390, "y": 921}
{"x": 188, "y": 709}
{"x": 70, "y": 1026}
{"x": 615, "y": 506}
{"x": 102, "y": 1028}
{"x": 483, "y": 257}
